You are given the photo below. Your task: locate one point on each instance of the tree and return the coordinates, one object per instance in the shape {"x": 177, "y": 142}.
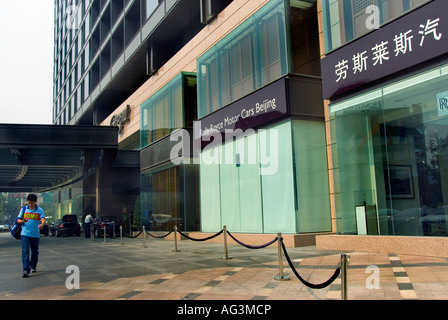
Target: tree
{"x": 136, "y": 220}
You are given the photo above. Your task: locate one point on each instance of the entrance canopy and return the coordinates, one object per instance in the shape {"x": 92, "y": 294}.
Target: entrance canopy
{"x": 37, "y": 158}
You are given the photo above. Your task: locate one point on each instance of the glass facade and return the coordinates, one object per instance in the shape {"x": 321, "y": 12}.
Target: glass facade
{"x": 389, "y": 150}
{"x": 251, "y": 56}
{"x": 345, "y": 20}
{"x": 173, "y": 107}
{"x": 168, "y": 198}
{"x": 168, "y": 193}
{"x": 280, "y": 38}
{"x": 272, "y": 181}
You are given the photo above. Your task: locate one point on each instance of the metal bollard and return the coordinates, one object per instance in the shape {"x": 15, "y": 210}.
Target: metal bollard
{"x": 121, "y": 235}
{"x": 280, "y": 276}
{"x": 144, "y": 238}
{"x": 226, "y": 249}
{"x": 175, "y": 240}
{"x": 104, "y": 232}
{"x": 92, "y": 232}
{"x": 344, "y": 265}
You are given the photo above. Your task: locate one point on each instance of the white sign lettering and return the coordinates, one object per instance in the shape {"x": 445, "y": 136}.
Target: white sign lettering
{"x": 362, "y": 61}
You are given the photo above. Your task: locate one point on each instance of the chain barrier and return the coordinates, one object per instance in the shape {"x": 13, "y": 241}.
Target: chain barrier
{"x": 205, "y": 239}
{"x": 159, "y": 237}
{"x": 282, "y": 247}
{"x": 136, "y": 236}
{"x": 249, "y": 246}
{"x": 308, "y": 284}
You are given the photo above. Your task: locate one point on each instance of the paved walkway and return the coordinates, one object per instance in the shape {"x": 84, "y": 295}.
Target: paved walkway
{"x": 110, "y": 271}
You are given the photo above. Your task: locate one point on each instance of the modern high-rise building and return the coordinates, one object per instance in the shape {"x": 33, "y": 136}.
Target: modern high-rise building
{"x": 303, "y": 117}
{"x": 103, "y": 52}
{"x": 222, "y": 99}
{"x": 105, "y": 49}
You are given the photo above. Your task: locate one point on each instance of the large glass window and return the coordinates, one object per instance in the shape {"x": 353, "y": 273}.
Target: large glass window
{"x": 390, "y": 148}
{"x": 150, "y": 6}
{"x": 311, "y": 176}
{"x": 272, "y": 181}
{"x": 345, "y": 20}
{"x": 162, "y": 199}
{"x": 168, "y": 198}
{"x": 280, "y": 38}
{"x": 169, "y": 109}
{"x": 253, "y": 55}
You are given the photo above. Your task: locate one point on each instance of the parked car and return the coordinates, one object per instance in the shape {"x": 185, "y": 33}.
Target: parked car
{"x": 67, "y": 225}
{"x": 435, "y": 223}
{"x": 110, "y": 222}
{"x": 45, "y": 230}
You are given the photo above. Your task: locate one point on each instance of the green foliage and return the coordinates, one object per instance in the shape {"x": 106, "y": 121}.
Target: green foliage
{"x": 136, "y": 220}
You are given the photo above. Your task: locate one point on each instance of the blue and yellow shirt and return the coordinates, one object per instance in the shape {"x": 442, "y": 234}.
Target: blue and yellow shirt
{"x": 30, "y": 228}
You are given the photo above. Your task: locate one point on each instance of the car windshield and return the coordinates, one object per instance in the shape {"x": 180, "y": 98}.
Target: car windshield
{"x": 69, "y": 219}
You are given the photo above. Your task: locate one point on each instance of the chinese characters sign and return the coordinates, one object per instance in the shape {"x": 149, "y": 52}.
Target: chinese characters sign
{"x": 406, "y": 42}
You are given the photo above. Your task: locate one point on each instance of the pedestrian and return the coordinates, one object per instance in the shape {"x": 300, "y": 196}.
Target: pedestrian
{"x": 32, "y": 220}
{"x": 87, "y": 224}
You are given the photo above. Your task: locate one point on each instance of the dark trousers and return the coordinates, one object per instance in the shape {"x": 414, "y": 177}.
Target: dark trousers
{"x": 87, "y": 229}
{"x": 29, "y": 261}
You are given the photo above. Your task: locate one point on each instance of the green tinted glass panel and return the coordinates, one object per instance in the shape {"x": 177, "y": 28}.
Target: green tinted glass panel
{"x": 253, "y": 55}
{"x": 389, "y": 156}
{"x": 310, "y": 156}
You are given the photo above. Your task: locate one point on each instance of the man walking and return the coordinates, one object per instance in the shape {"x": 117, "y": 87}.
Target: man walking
{"x": 32, "y": 220}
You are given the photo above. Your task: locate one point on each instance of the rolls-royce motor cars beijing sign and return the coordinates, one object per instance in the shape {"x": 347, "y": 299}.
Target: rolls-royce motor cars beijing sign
{"x": 408, "y": 41}
{"x": 262, "y": 106}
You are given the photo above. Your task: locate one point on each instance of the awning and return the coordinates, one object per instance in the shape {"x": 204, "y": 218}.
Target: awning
{"x": 36, "y": 158}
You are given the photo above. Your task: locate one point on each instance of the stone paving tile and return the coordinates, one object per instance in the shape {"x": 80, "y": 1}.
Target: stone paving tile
{"x": 198, "y": 273}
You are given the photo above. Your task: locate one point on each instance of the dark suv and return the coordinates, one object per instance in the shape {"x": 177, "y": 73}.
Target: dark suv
{"x": 67, "y": 225}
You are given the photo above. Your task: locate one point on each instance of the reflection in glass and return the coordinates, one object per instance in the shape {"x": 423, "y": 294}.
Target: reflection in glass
{"x": 345, "y": 20}
{"x": 390, "y": 152}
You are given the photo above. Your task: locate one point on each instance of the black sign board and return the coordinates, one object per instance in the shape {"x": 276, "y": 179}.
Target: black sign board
{"x": 262, "y": 106}
{"x": 415, "y": 38}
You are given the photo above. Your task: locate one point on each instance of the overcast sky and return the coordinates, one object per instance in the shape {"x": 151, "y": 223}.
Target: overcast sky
{"x": 26, "y": 61}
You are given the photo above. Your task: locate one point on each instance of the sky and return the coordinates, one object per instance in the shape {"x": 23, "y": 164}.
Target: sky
{"x": 26, "y": 61}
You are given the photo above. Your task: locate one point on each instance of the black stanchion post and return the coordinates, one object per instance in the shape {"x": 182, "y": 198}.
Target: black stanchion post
{"x": 175, "y": 239}
{"x": 280, "y": 276}
{"x": 104, "y": 233}
{"x": 121, "y": 235}
{"x": 226, "y": 249}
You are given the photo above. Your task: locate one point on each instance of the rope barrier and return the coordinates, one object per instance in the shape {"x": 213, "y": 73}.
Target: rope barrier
{"x": 282, "y": 247}
{"x": 205, "y": 239}
{"x": 249, "y": 246}
{"x": 308, "y": 284}
{"x": 136, "y": 236}
{"x": 159, "y": 237}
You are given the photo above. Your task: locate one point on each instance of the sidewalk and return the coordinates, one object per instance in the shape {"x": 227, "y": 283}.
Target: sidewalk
{"x": 110, "y": 271}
